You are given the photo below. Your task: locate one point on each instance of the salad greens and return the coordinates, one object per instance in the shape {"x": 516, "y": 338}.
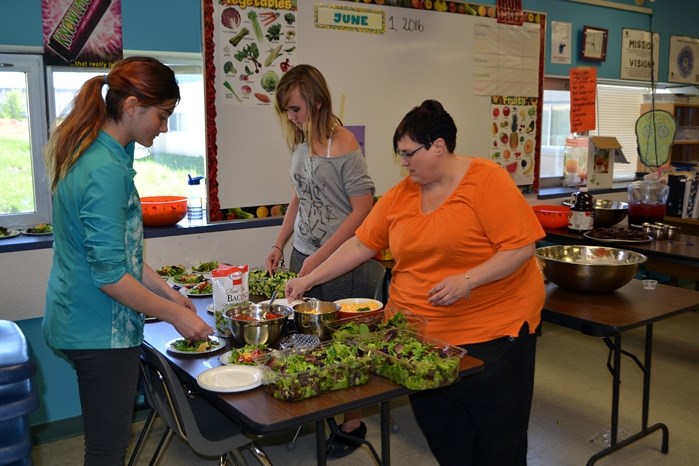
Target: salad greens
{"x": 205, "y": 266}
{"x": 171, "y": 270}
{"x": 347, "y": 329}
{"x": 247, "y": 354}
{"x": 198, "y": 346}
{"x": 412, "y": 362}
{"x": 293, "y": 376}
{"x": 203, "y": 287}
{"x": 261, "y": 284}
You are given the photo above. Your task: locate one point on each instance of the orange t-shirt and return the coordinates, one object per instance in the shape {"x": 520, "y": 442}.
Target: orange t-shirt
{"x": 485, "y": 214}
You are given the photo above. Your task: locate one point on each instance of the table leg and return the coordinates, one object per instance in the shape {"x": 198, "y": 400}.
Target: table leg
{"x": 614, "y": 443}
{"x": 320, "y": 443}
{"x": 386, "y": 433}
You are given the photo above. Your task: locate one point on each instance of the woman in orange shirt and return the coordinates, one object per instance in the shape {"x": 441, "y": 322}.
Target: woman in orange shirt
{"x": 463, "y": 239}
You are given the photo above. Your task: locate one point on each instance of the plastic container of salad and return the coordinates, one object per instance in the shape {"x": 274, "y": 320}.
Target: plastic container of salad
{"x": 412, "y": 360}
{"x": 352, "y": 327}
{"x": 293, "y": 375}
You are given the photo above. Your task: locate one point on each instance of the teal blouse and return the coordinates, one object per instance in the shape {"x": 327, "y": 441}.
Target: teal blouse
{"x": 98, "y": 237}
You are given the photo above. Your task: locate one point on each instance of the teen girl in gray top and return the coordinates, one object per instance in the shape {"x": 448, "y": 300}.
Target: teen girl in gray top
{"x": 333, "y": 192}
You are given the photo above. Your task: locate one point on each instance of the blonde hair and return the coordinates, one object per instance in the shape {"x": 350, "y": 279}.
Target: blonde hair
{"x": 145, "y": 78}
{"x": 312, "y": 87}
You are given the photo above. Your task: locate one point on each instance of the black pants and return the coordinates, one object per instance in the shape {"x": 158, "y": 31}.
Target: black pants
{"x": 107, "y": 381}
{"x": 482, "y": 420}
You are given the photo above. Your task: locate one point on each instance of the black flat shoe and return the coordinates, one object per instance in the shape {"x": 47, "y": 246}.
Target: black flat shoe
{"x": 338, "y": 447}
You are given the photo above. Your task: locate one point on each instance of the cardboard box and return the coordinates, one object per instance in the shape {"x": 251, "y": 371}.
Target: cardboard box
{"x": 590, "y": 160}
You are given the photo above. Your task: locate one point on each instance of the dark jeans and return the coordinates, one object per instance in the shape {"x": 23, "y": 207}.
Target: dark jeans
{"x": 482, "y": 420}
{"x": 107, "y": 381}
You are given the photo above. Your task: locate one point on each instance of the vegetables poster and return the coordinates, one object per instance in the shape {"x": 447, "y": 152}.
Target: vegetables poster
{"x": 513, "y": 131}
{"x": 257, "y": 46}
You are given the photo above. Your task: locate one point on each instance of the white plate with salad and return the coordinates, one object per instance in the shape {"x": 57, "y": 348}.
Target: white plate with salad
{"x": 184, "y": 346}
{"x": 200, "y": 290}
{"x": 6, "y": 234}
{"x": 42, "y": 229}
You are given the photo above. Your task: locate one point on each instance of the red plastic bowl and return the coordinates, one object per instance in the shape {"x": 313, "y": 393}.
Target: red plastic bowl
{"x": 552, "y": 216}
{"x": 159, "y": 211}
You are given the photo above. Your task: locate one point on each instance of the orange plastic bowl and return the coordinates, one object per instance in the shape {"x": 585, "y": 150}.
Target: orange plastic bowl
{"x": 159, "y": 211}
{"x": 552, "y": 216}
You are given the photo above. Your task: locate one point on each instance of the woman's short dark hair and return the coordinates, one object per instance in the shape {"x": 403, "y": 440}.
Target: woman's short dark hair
{"x": 425, "y": 124}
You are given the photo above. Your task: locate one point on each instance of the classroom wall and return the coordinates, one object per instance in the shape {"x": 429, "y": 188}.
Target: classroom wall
{"x": 175, "y": 25}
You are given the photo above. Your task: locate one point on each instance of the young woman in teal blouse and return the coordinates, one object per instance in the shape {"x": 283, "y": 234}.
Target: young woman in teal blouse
{"x": 99, "y": 289}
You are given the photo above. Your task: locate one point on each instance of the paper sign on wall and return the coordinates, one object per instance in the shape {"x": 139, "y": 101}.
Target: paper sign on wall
{"x": 583, "y": 93}
{"x": 636, "y": 61}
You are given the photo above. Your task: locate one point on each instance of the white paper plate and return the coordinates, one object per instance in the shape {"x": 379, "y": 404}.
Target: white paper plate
{"x": 231, "y": 378}
{"x": 221, "y": 344}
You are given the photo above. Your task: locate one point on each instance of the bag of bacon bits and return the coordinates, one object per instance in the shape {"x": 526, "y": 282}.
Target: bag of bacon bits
{"x": 230, "y": 289}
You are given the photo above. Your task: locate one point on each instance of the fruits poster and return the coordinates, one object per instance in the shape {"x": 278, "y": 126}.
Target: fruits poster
{"x": 513, "y": 136}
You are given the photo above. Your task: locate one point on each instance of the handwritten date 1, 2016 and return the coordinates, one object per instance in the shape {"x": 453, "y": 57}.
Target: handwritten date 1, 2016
{"x": 405, "y": 24}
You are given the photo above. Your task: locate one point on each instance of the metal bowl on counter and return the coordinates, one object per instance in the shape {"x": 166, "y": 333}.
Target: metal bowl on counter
{"x": 313, "y": 316}
{"x": 257, "y": 324}
{"x": 609, "y": 213}
{"x": 588, "y": 269}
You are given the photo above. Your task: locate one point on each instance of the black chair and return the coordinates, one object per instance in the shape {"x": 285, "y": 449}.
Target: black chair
{"x": 196, "y": 421}
{"x": 377, "y": 276}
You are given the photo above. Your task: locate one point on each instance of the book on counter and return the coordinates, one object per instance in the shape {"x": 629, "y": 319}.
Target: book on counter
{"x": 675, "y": 199}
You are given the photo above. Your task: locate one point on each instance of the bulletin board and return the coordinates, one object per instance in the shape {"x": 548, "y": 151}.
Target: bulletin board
{"x": 376, "y": 76}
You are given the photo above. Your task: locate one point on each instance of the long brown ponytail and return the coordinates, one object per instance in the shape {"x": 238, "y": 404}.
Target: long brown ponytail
{"x": 150, "y": 81}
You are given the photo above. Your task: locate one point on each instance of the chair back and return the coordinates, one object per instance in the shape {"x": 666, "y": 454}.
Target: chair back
{"x": 164, "y": 391}
{"x": 377, "y": 274}
{"x": 194, "y": 419}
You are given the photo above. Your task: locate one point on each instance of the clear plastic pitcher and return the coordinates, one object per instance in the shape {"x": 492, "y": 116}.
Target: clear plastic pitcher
{"x": 647, "y": 200}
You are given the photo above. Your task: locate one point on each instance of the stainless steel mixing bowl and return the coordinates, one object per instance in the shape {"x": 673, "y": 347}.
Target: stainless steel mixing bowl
{"x": 588, "y": 269}
{"x": 253, "y": 324}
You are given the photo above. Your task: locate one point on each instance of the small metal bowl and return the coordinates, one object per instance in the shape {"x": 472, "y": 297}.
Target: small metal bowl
{"x": 609, "y": 213}
{"x": 588, "y": 269}
{"x": 251, "y": 324}
{"x": 312, "y": 317}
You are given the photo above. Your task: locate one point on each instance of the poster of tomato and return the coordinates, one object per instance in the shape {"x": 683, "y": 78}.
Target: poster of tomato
{"x": 258, "y": 47}
{"x": 513, "y": 136}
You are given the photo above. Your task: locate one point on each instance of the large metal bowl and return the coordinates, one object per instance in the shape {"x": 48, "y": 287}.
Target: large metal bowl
{"x": 252, "y": 324}
{"x": 609, "y": 213}
{"x": 313, "y": 316}
{"x": 588, "y": 269}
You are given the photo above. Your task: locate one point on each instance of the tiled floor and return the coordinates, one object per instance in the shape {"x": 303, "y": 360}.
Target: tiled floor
{"x": 570, "y": 414}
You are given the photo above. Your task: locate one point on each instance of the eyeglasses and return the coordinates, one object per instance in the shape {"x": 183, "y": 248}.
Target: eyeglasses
{"x": 409, "y": 155}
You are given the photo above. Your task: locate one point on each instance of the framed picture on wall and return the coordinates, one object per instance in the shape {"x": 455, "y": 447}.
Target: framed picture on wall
{"x": 594, "y": 43}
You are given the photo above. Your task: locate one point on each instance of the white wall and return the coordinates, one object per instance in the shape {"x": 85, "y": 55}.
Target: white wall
{"x": 23, "y": 275}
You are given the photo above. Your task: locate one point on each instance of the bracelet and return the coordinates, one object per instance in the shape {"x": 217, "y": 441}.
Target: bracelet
{"x": 277, "y": 247}
{"x": 468, "y": 284}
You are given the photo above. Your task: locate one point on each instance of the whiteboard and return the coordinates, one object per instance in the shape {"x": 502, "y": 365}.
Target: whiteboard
{"x": 374, "y": 79}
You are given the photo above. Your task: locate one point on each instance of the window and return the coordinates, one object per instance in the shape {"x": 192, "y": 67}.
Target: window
{"x": 163, "y": 168}
{"x": 24, "y": 194}
{"x": 618, "y": 108}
